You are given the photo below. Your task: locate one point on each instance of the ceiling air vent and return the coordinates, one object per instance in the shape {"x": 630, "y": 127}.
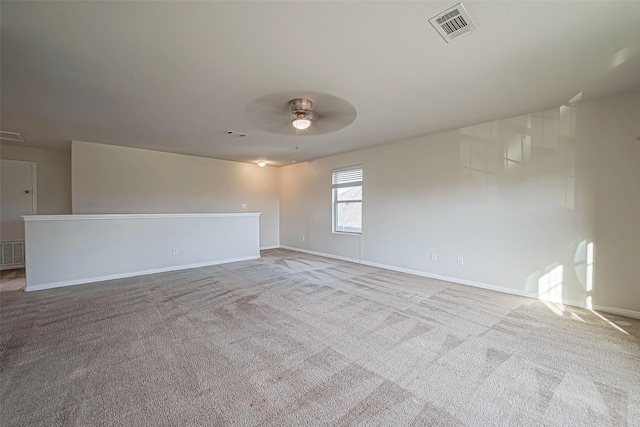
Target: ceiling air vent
{"x": 234, "y": 133}
{"x": 11, "y": 136}
{"x": 453, "y": 23}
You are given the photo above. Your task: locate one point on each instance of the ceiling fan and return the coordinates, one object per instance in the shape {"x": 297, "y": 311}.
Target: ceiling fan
{"x": 300, "y": 113}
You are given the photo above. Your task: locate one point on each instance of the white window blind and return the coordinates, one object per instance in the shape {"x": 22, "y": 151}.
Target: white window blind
{"x": 346, "y": 187}
{"x": 342, "y": 177}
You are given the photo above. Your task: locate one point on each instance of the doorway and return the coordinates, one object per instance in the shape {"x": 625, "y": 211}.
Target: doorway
{"x": 18, "y": 196}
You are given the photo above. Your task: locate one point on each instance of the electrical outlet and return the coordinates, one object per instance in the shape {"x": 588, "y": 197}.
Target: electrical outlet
{"x": 460, "y": 260}
{"x": 434, "y": 257}
{"x": 244, "y": 206}
{"x": 303, "y": 238}
{"x": 174, "y": 251}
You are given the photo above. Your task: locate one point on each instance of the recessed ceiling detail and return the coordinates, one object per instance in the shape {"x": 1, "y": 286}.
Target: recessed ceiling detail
{"x": 453, "y": 23}
{"x": 274, "y": 113}
{"x": 135, "y": 73}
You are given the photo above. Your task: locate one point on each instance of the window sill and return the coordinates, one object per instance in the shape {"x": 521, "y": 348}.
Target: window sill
{"x": 348, "y": 233}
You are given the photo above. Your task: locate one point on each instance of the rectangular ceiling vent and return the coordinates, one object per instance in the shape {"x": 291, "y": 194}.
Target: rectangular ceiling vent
{"x": 453, "y": 23}
{"x": 11, "y": 136}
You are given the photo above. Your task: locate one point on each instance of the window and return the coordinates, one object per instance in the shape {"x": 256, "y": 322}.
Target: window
{"x": 346, "y": 186}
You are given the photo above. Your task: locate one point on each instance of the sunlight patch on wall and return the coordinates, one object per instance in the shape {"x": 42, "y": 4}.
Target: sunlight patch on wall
{"x": 589, "y": 284}
{"x": 550, "y": 285}
{"x": 584, "y": 261}
{"x": 538, "y": 153}
{"x": 479, "y": 160}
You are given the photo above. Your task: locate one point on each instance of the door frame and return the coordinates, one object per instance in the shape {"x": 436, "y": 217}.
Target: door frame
{"x": 34, "y": 180}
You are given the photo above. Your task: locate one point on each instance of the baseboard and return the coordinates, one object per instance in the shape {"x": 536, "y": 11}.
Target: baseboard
{"x": 475, "y": 284}
{"x": 322, "y": 254}
{"x": 502, "y": 289}
{"x": 451, "y": 279}
{"x": 618, "y": 311}
{"x": 63, "y": 283}
{"x": 11, "y": 267}
{"x": 264, "y": 248}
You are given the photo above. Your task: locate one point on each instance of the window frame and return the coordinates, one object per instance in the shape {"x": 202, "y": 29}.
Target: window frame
{"x": 334, "y": 197}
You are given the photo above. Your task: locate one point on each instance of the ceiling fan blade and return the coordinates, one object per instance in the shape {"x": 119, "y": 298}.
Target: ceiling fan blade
{"x": 343, "y": 119}
{"x": 280, "y": 128}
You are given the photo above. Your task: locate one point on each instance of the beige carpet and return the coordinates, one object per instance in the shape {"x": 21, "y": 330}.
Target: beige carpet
{"x": 293, "y": 340}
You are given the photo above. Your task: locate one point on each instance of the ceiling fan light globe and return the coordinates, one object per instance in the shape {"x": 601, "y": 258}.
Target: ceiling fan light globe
{"x": 301, "y": 124}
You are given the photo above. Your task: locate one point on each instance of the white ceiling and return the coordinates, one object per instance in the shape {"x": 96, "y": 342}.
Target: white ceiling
{"x": 173, "y": 76}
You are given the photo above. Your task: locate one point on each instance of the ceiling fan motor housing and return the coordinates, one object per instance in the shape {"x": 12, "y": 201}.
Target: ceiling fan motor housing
{"x": 301, "y": 109}
{"x": 303, "y": 104}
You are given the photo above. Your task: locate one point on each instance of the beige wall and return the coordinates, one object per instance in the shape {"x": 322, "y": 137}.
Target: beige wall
{"x": 54, "y": 176}
{"x": 107, "y": 247}
{"x": 54, "y": 179}
{"x": 112, "y": 179}
{"x": 521, "y": 200}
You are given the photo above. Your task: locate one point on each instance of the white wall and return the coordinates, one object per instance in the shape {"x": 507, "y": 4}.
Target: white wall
{"x": 521, "y": 199}
{"x": 54, "y": 181}
{"x": 63, "y": 250}
{"x": 113, "y": 179}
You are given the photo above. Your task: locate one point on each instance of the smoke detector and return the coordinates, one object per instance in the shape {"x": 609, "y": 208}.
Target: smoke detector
{"x": 453, "y": 23}
{"x": 11, "y": 136}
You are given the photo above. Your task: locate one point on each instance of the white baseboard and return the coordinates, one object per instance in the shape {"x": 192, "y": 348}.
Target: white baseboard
{"x": 618, "y": 311}
{"x": 60, "y": 284}
{"x": 504, "y": 290}
{"x": 11, "y": 267}
{"x": 322, "y": 254}
{"x": 481, "y": 285}
{"x": 264, "y": 248}
{"x": 452, "y": 279}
